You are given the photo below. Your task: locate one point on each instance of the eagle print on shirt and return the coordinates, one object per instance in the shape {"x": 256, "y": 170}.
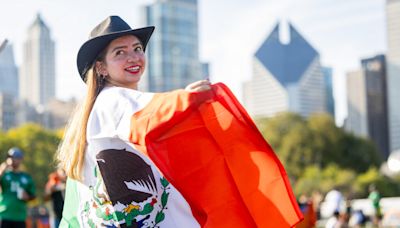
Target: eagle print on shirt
{"x": 126, "y": 193}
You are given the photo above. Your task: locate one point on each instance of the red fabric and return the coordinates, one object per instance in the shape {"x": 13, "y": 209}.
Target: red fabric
{"x": 310, "y": 217}
{"x": 208, "y": 147}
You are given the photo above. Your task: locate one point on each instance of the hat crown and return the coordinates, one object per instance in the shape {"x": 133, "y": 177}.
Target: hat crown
{"x": 105, "y": 32}
{"x": 111, "y": 24}
{"x": 15, "y": 152}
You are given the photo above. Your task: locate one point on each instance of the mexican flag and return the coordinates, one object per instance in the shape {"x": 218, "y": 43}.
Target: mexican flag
{"x": 207, "y": 146}
{"x": 177, "y": 159}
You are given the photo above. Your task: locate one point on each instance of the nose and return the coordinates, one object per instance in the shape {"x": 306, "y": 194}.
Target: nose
{"x": 133, "y": 56}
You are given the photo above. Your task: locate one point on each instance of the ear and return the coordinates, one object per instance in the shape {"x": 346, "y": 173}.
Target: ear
{"x": 101, "y": 68}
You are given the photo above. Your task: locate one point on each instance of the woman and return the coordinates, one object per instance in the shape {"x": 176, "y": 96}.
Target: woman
{"x": 110, "y": 183}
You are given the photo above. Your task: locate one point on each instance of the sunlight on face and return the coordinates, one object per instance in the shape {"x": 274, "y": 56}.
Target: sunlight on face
{"x": 125, "y": 62}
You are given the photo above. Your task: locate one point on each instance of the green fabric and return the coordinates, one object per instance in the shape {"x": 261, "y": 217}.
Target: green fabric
{"x": 12, "y": 208}
{"x": 375, "y": 198}
{"x": 71, "y": 204}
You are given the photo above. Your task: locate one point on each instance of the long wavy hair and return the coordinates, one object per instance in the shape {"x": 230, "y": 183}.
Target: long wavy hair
{"x": 71, "y": 151}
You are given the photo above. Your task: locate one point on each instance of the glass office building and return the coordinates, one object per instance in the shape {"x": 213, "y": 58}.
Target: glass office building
{"x": 287, "y": 77}
{"x": 173, "y": 50}
{"x": 37, "y": 76}
{"x": 393, "y": 71}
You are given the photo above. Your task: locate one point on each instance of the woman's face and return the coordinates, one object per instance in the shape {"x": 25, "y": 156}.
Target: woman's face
{"x": 124, "y": 62}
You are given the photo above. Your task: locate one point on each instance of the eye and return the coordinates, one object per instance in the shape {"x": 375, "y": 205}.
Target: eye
{"x": 119, "y": 52}
{"x": 138, "y": 48}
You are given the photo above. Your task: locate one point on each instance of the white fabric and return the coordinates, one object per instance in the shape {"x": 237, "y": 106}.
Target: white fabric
{"x": 333, "y": 201}
{"x": 331, "y": 223}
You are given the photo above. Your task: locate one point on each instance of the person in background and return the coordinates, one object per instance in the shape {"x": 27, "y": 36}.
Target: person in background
{"x": 307, "y": 208}
{"x": 16, "y": 189}
{"x": 333, "y": 201}
{"x": 55, "y": 191}
{"x": 333, "y": 221}
{"x": 375, "y": 198}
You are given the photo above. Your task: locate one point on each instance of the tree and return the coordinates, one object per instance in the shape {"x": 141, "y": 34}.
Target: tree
{"x": 386, "y": 186}
{"x": 300, "y": 143}
{"x": 358, "y": 153}
{"x": 5, "y": 144}
{"x": 39, "y": 146}
{"x": 323, "y": 180}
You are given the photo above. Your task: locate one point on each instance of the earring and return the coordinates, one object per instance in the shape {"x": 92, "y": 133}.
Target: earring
{"x": 102, "y": 79}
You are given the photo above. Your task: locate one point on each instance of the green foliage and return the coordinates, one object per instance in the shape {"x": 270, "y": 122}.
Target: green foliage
{"x": 5, "y": 144}
{"x": 39, "y": 146}
{"x": 325, "y": 139}
{"x": 315, "y": 179}
{"x": 300, "y": 143}
{"x": 386, "y": 186}
{"x": 360, "y": 154}
{"x": 319, "y": 156}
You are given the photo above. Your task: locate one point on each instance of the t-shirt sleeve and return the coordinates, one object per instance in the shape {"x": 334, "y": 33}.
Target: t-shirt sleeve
{"x": 112, "y": 112}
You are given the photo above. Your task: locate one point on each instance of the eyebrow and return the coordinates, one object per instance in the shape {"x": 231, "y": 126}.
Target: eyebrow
{"x": 124, "y": 46}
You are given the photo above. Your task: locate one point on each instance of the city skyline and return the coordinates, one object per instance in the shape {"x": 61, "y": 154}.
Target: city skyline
{"x": 343, "y": 32}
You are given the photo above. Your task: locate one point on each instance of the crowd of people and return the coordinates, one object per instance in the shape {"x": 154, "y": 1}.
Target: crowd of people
{"x": 335, "y": 211}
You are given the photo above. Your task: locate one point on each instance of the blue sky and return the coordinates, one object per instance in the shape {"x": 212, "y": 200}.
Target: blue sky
{"x": 231, "y": 31}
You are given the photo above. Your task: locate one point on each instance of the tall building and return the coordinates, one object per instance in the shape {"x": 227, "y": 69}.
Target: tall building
{"x": 37, "y": 78}
{"x": 356, "y": 121}
{"x": 173, "y": 52}
{"x": 286, "y": 77}
{"x": 8, "y": 86}
{"x": 393, "y": 71}
{"x": 8, "y": 70}
{"x": 367, "y": 103}
{"x": 330, "y": 101}
{"x": 7, "y": 111}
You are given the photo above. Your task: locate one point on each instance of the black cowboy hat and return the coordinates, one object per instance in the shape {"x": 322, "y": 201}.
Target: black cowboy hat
{"x": 109, "y": 29}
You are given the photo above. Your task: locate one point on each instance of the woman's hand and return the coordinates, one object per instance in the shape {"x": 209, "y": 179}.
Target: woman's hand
{"x": 198, "y": 86}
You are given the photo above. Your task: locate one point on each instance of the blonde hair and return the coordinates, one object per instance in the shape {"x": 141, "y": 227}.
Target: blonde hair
{"x": 72, "y": 149}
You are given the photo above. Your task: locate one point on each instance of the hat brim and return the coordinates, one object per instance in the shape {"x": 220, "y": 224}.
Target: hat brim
{"x": 92, "y": 48}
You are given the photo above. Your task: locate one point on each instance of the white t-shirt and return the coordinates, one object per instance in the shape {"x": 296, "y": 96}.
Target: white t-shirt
{"x": 122, "y": 186}
{"x": 333, "y": 201}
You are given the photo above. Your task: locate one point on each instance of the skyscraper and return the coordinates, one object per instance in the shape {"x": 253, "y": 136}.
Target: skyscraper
{"x": 357, "y": 119}
{"x": 173, "y": 52}
{"x": 393, "y": 71}
{"x": 8, "y": 86}
{"x": 8, "y": 70}
{"x": 7, "y": 111}
{"x": 37, "y": 78}
{"x": 286, "y": 77}
{"x": 375, "y": 74}
{"x": 367, "y": 103}
{"x": 330, "y": 102}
